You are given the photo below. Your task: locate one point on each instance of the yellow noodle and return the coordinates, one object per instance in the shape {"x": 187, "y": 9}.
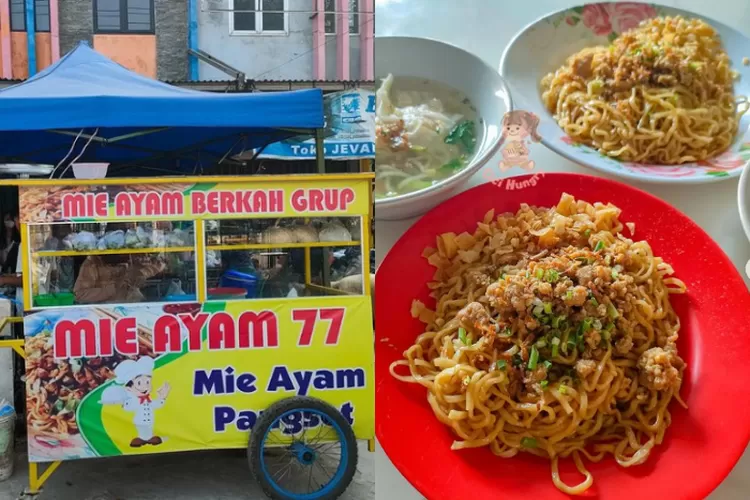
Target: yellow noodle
{"x": 564, "y": 274}
{"x": 661, "y": 93}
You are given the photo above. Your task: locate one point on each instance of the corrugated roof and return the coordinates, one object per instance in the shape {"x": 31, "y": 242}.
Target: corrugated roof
{"x": 250, "y": 85}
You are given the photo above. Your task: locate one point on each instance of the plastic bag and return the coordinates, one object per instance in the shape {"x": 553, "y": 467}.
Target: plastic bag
{"x": 131, "y": 239}
{"x": 158, "y": 240}
{"x": 334, "y": 231}
{"x": 115, "y": 240}
{"x": 84, "y": 241}
{"x": 175, "y": 288}
{"x": 102, "y": 243}
{"x": 67, "y": 242}
{"x": 144, "y": 236}
{"x": 212, "y": 259}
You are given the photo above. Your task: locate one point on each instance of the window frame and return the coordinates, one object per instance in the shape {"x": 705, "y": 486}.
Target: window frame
{"x": 124, "y": 30}
{"x": 36, "y": 19}
{"x": 258, "y": 21}
{"x": 351, "y": 12}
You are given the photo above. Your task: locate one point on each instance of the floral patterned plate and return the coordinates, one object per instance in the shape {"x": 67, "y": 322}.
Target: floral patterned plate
{"x": 544, "y": 45}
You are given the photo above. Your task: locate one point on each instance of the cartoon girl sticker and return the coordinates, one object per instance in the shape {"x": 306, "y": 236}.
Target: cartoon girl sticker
{"x": 133, "y": 391}
{"x": 518, "y": 126}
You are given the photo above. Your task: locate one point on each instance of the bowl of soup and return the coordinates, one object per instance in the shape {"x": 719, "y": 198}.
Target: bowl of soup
{"x": 438, "y": 121}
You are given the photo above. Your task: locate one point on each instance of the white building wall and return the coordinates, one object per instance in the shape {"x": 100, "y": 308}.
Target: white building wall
{"x": 287, "y": 56}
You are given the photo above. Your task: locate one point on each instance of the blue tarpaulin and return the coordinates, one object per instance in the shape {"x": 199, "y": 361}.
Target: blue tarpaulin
{"x": 85, "y": 90}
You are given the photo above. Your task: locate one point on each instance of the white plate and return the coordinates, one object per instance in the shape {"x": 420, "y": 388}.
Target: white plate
{"x": 544, "y": 45}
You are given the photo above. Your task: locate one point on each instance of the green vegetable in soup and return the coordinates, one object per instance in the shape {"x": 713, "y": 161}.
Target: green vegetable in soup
{"x": 415, "y": 185}
{"x": 463, "y": 134}
{"x": 453, "y": 166}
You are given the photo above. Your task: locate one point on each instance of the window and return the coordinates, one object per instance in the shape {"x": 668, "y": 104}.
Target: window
{"x": 18, "y": 15}
{"x": 123, "y": 16}
{"x": 259, "y": 16}
{"x": 330, "y": 20}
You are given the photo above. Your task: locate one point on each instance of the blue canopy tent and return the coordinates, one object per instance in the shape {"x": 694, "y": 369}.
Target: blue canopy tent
{"x": 130, "y": 120}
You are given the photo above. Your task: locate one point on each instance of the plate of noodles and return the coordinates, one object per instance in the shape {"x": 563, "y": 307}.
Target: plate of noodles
{"x": 550, "y": 335}
{"x": 641, "y": 91}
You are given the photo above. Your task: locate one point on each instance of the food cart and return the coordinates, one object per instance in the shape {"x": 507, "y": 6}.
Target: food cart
{"x": 147, "y": 299}
{"x": 297, "y": 371}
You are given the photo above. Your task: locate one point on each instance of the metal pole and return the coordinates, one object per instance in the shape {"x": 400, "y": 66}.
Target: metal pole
{"x": 320, "y": 154}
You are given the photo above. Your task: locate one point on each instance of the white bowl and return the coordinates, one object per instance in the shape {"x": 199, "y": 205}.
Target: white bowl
{"x": 90, "y": 170}
{"x": 545, "y": 44}
{"x": 743, "y": 201}
{"x": 424, "y": 58}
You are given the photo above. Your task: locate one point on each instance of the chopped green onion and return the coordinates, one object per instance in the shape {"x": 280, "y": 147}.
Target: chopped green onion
{"x": 585, "y": 260}
{"x": 552, "y": 276}
{"x": 537, "y": 311}
{"x": 517, "y": 360}
{"x": 594, "y": 302}
{"x": 547, "y": 364}
{"x": 544, "y": 384}
{"x": 615, "y": 274}
{"x": 541, "y": 343}
{"x": 555, "y": 346}
{"x": 512, "y": 351}
{"x": 587, "y": 324}
{"x": 533, "y": 358}
{"x": 467, "y": 379}
{"x": 587, "y": 233}
{"x": 569, "y": 295}
{"x": 462, "y": 336}
{"x": 563, "y": 389}
{"x": 556, "y": 321}
{"x": 581, "y": 346}
{"x": 609, "y": 327}
{"x": 606, "y": 334}
{"x": 528, "y": 442}
{"x": 507, "y": 331}
{"x": 501, "y": 364}
{"x": 418, "y": 149}
{"x": 694, "y": 66}
{"x": 612, "y": 311}
{"x": 597, "y": 324}
{"x": 596, "y": 86}
{"x": 539, "y": 273}
{"x": 547, "y": 308}
{"x": 599, "y": 246}
{"x": 528, "y": 274}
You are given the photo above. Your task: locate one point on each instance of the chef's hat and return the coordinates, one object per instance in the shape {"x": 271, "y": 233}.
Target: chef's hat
{"x": 129, "y": 369}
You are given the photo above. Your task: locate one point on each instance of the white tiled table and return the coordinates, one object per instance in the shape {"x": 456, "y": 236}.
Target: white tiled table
{"x": 485, "y": 27}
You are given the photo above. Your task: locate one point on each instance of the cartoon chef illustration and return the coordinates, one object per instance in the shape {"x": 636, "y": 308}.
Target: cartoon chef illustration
{"x": 133, "y": 387}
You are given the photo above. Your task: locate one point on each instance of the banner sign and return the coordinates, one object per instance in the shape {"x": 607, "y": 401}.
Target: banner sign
{"x": 349, "y": 130}
{"x": 137, "y": 379}
{"x": 83, "y": 203}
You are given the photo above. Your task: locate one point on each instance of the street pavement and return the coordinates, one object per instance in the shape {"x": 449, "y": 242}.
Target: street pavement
{"x": 214, "y": 475}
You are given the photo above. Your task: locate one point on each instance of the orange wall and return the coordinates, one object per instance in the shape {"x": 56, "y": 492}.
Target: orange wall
{"x": 19, "y": 53}
{"x": 135, "y": 52}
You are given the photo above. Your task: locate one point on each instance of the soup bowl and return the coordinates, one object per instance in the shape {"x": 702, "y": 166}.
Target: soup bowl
{"x": 450, "y": 66}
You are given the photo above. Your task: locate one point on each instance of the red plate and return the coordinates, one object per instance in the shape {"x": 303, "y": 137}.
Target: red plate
{"x": 702, "y": 444}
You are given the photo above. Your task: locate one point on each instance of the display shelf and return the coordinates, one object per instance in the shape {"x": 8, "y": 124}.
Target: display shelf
{"x": 119, "y": 251}
{"x": 262, "y": 246}
{"x": 326, "y": 289}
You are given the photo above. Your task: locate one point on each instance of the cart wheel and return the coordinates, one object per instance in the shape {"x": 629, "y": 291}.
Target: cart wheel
{"x": 302, "y": 448}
